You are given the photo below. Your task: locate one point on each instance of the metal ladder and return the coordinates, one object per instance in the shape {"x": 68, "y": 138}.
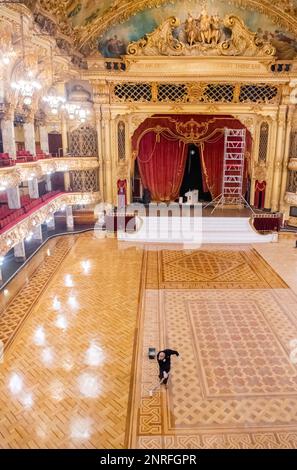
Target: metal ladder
{"x": 233, "y": 170}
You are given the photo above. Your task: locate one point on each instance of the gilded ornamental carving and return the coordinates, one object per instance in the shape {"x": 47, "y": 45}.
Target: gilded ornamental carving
{"x": 207, "y": 35}
{"x": 21, "y": 230}
{"x": 14, "y": 175}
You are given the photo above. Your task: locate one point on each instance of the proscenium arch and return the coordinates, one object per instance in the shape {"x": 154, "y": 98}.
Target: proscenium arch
{"x": 127, "y": 9}
{"x": 133, "y": 154}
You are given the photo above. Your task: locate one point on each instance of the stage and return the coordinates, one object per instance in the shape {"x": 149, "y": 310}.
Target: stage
{"x": 193, "y": 225}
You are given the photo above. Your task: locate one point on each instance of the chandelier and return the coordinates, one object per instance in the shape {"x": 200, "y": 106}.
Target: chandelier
{"x": 26, "y": 86}
{"x": 6, "y": 48}
{"x": 72, "y": 109}
{"x": 54, "y": 101}
{"x": 75, "y": 111}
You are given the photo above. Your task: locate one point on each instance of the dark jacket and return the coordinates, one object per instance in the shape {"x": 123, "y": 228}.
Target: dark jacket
{"x": 165, "y": 364}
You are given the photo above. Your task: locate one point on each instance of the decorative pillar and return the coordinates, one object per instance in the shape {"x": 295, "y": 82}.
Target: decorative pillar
{"x": 286, "y": 157}
{"x": 43, "y": 139}
{"x": 270, "y": 161}
{"x": 278, "y": 159}
{"x": 19, "y": 251}
{"x": 99, "y": 146}
{"x": 253, "y": 160}
{"x": 8, "y": 136}
{"x": 37, "y": 233}
{"x": 13, "y": 198}
{"x": 29, "y": 135}
{"x": 48, "y": 182}
{"x": 114, "y": 159}
{"x": 64, "y": 134}
{"x": 66, "y": 180}
{"x": 1, "y": 264}
{"x": 107, "y": 155}
{"x": 69, "y": 217}
{"x": 33, "y": 188}
{"x": 50, "y": 222}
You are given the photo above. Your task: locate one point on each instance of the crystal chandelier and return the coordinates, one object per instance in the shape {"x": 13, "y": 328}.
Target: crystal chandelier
{"x": 72, "y": 109}
{"x": 6, "y": 48}
{"x": 28, "y": 85}
{"x": 83, "y": 114}
{"x": 26, "y": 88}
{"x": 54, "y": 102}
{"x": 75, "y": 111}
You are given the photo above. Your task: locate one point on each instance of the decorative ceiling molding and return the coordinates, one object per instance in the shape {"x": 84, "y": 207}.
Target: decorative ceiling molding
{"x": 281, "y": 13}
{"x": 84, "y": 38}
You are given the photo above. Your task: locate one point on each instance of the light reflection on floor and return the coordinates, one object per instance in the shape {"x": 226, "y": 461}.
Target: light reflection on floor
{"x": 68, "y": 378}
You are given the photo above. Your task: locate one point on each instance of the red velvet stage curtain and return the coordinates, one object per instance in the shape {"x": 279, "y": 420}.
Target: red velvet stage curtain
{"x": 161, "y": 165}
{"x": 203, "y": 130}
{"x": 260, "y": 187}
{"x": 212, "y": 163}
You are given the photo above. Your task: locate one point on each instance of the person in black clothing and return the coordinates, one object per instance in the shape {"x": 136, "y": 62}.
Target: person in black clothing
{"x": 164, "y": 361}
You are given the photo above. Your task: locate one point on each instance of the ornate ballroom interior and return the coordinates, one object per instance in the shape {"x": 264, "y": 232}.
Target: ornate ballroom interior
{"x": 148, "y": 201}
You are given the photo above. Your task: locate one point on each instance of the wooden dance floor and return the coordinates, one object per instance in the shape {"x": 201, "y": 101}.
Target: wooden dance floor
{"x": 76, "y": 332}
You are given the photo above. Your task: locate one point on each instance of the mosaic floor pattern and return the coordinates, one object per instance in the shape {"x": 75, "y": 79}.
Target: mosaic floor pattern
{"x": 234, "y": 384}
{"x": 76, "y": 373}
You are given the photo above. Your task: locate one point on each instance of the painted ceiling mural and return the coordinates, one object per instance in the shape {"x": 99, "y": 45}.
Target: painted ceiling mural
{"x": 115, "y": 41}
{"x": 83, "y": 12}
{"x": 108, "y": 26}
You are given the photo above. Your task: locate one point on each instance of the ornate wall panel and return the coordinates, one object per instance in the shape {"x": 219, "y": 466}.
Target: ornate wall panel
{"x": 194, "y": 93}
{"x": 84, "y": 180}
{"x": 121, "y": 141}
{"x": 263, "y": 142}
{"x": 14, "y": 175}
{"x": 19, "y": 231}
{"x": 293, "y": 145}
{"x": 83, "y": 141}
{"x": 292, "y": 181}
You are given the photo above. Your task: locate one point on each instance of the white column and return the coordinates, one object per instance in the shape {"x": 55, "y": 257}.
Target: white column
{"x": 278, "y": 159}
{"x": 33, "y": 188}
{"x": 99, "y": 145}
{"x": 51, "y": 223}
{"x": 19, "y": 251}
{"x": 64, "y": 135}
{"x": 29, "y": 135}
{"x": 8, "y": 137}
{"x": 69, "y": 217}
{"x": 66, "y": 180}
{"x": 13, "y": 198}
{"x": 1, "y": 263}
{"x": 37, "y": 233}
{"x": 43, "y": 139}
{"x": 48, "y": 183}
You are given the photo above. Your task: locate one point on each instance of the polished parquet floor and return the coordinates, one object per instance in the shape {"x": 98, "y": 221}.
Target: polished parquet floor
{"x": 76, "y": 332}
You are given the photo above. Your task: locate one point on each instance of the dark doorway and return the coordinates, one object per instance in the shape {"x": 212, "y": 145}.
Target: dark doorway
{"x": 193, "y": 174}
{"x": 55, "y": 144}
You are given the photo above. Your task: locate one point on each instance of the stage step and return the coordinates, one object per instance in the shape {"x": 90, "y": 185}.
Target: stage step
{"x": 202, "y": 230}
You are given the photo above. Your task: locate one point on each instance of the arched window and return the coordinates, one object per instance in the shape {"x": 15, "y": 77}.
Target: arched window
{"x": 121, "y": 141}
{"x": 263, "y": 143}
{"x": 83, "y": 141}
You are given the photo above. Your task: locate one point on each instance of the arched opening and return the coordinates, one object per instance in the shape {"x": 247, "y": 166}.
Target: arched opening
{"x": 178, "y": 153}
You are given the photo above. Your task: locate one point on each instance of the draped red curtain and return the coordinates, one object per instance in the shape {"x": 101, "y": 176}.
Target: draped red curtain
{"x": 161, "y": 165}
{"x": 260, "y": 187}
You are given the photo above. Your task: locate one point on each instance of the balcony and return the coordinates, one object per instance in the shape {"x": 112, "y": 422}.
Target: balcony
{"x": 19, "y": 229}
{"x": 14, "y": 175}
